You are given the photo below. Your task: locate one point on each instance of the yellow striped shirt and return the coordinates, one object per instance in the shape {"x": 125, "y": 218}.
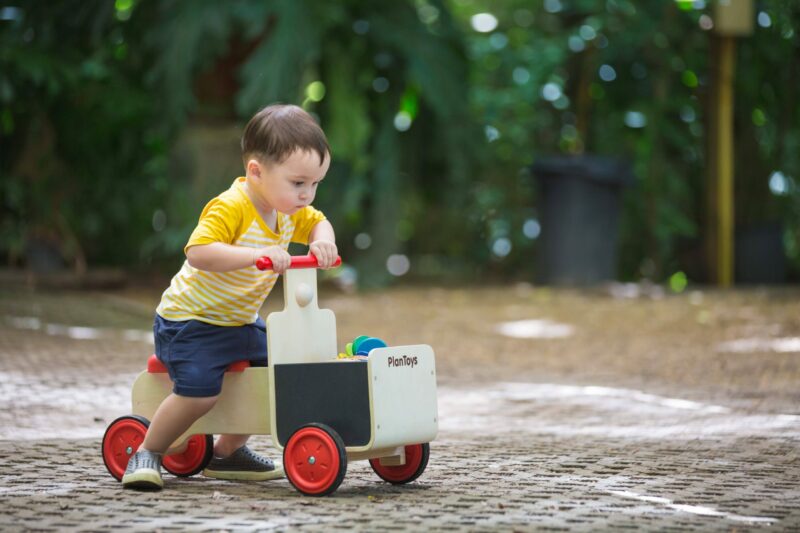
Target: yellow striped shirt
{"x": 232, "y": 298}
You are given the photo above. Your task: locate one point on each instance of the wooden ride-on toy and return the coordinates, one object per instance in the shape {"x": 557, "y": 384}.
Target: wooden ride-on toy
{"x": 322, "y": 412}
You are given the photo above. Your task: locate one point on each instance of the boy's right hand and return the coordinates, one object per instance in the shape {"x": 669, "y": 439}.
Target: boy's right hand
{"x": 281, "y": 260}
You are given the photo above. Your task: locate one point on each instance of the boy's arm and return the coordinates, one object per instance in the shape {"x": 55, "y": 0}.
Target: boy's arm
{"x": 223, "y": 257}
{"x": 322, "y": 243}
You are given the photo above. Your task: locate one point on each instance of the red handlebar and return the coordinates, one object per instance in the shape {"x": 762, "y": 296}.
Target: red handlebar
{"x": 298, "y": 261}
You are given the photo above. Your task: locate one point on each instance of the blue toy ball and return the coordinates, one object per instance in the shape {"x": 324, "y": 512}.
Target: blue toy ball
{"x": 368, "y": 344}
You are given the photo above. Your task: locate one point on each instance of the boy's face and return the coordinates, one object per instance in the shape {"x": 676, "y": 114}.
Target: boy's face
{"x": 289, "y": 186}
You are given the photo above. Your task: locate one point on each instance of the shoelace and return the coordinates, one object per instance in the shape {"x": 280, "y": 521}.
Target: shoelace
{"x": 146, "y": 460}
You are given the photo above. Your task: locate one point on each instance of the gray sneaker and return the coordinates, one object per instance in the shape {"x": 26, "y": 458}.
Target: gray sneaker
{"x": 143, "y": 472}
{"x": 243, "y": 465}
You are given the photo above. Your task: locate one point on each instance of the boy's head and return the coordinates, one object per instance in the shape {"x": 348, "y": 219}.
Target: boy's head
{"x": 286, "y": 155}
{"x": 275, "y": 132}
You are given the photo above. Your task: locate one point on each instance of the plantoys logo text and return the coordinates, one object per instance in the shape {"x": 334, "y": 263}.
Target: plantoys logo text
{"x": 403, "y": 360}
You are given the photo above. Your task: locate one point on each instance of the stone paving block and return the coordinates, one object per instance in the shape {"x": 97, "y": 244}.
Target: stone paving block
{"x": 514, "y": 454}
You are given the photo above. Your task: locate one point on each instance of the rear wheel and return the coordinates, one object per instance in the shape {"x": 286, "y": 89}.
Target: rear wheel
{"x": 198, "y": 453}
{"x": 315, "y": 460}
{"x": 120, "y": 441}
{"x": 416, "y": 460}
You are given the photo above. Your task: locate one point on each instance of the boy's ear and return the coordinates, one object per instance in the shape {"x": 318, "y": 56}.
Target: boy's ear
{"x": 253, "y": 168}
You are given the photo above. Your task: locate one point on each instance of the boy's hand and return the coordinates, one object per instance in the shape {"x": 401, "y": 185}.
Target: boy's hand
{"x": 325, "y": 252}
{"x": 281, "y": 260}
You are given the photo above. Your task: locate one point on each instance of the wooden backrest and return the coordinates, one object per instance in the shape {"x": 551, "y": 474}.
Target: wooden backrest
{"x": 302, "y": 332}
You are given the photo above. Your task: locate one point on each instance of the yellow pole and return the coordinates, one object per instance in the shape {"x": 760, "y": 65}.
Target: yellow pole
{"x": 724, "y": 151}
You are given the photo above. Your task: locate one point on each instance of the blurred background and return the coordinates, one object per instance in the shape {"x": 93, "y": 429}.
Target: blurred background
{"x": 555, "y": 141}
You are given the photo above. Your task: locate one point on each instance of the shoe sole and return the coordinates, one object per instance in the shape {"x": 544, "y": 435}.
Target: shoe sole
{"x": 143, "y": 479}
{"x": 240, "y": 475}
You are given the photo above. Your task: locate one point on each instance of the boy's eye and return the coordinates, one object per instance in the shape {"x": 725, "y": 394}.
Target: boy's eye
{"x": 298, "y": 183}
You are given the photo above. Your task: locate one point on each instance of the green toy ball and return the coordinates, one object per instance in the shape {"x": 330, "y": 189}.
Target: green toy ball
{"x": 357, "y": 341}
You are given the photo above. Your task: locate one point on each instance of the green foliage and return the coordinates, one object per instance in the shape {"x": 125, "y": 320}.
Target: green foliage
{"x": 433, "y": 124}
{"x": 630, "y": 79}
{"x": 768, "y": 123}
{"x": 113, "y": 170}
{"x": 81, "y": 157}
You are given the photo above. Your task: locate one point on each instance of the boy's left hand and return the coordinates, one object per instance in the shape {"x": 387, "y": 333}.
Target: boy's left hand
{"x": 325, "y": 252}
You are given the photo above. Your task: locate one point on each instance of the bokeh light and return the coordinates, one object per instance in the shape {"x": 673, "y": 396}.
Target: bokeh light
{"x": 587, "y": 33}
{"x": 363, "y": 241}
{"x": 498, "y": 40}
{"x": 607, "y": 73}
{"x": 501, "y": 247}
{"x": 551, "y": 92}
{"x": 779, "y": 183}
{"x": 759, "y": 118}
{"x": 483, "y": 22}
{"x": 638, "y": 71}
{"x": 531, "y": 229}
{"x": 315, "y": 91}
{"x": 398, "y": 264}
{"x": 361, "y": 26}
{"x": 635, "y": 119}
{"x": 521, "y": 75}
{"x": 576, "y": 44}
{"x": 678, "y": 282}
{"x": 380, "y": 84}
{"x": 689, "y": 78}
{"x": 402, "y": 121}
{"x": 159, "y": 220}
{"x": 553, "y": 6}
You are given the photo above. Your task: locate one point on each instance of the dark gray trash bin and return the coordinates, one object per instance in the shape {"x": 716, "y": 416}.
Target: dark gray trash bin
{"x": 579, "y": 204}
{"x": 759, "y": 254}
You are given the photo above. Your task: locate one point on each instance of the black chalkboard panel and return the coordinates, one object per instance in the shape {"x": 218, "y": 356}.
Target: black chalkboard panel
{"x": 335, "y": 393}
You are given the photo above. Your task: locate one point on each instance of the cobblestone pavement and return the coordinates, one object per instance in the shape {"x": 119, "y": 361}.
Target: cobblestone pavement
{"x": 618, "y": 409}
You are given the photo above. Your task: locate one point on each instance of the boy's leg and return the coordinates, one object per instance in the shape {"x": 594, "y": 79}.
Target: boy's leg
{"x": 172, "y": 418}
{"x": 227, "y": 444}
{"x": 232, "y": 458}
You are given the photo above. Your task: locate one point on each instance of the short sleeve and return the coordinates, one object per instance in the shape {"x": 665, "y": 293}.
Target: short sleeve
{"x": 218, "y": 223}
{"x": 304, "y": 221}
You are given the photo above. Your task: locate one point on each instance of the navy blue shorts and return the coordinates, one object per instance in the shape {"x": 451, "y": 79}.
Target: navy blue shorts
{"x": 196, "y": 354}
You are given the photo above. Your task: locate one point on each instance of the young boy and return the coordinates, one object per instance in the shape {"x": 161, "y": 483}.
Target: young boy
{"x": 208, "y": 317}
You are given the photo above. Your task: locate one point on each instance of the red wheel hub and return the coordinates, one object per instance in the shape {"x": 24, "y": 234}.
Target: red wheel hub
{"x": 402, "y": 472}
{"x": 188, "y": 460}
{"x": 122, "y": 439}
{"x": 312, "y": 460}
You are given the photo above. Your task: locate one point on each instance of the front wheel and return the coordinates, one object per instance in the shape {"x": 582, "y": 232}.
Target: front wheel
{"x": 315, "y": 460}
{"x": 198, "y": 453}
{"x": 416, "y": 460}
{"x": 120, "y": 441}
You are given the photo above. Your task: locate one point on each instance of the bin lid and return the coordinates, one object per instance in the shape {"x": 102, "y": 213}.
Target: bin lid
{"x": 605, "y": 170}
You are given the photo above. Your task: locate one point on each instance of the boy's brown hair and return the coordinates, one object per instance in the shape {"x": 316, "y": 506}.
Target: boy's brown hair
{"x": 275, "y": 132}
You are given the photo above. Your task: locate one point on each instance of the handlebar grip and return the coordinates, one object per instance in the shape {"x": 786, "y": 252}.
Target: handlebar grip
{"x": 298, "y": 261}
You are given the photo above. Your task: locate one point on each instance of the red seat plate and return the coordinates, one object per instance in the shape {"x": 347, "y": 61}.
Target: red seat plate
{"x": 154, "y": 366}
